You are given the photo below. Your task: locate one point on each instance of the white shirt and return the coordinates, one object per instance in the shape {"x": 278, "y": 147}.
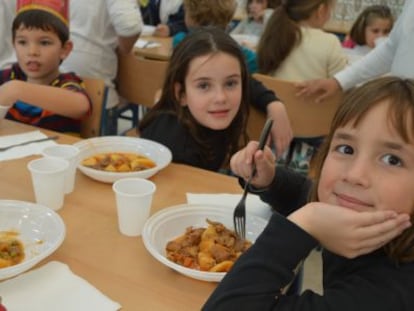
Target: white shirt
{"x": 394, "y": 56}
{"x": 7, "y": 13}
{"x": 94, "y": 28}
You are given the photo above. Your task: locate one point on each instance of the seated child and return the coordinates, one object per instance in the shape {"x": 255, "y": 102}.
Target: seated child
{"x": 202, "y": 113}
{"x": 373, "y": 24}
{"x": 218, "y": 13}
{"x": 35, "y": 90}
{"x": 360, "y": 211}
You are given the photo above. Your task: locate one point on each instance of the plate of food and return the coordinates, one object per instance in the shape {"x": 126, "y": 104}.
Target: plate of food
{"x": 110, "y": 158}
{"x": 29, "y": 233}
{"x": 198, "y": 240}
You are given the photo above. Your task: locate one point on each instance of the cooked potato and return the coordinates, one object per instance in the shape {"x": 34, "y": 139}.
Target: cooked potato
{"x": 119, "y": 162}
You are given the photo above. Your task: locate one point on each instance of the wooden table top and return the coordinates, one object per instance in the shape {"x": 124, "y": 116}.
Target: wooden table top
{"x": 162, "y": 52}
{"x": 118, "y": 265}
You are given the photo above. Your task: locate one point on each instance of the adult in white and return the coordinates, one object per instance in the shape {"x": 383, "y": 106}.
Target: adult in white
{"x": 98, "y": 30}
{"x": 7, "y": 13}
{"x": 394, "y": 56}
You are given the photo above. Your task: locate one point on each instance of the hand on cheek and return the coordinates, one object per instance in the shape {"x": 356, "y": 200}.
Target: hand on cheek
{"x": 349, "y": 233}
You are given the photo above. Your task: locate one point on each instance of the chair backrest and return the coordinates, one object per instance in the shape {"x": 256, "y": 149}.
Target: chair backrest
{"x": 140, "y": 78}
{"x": 97, "y": 92}
{"x": 307, "y": 118}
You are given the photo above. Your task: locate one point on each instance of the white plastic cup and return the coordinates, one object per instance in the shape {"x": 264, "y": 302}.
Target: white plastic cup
{"x": 69, "y": 153}
{"x": 133, "y": 202}
{"x": 48, "y": 178}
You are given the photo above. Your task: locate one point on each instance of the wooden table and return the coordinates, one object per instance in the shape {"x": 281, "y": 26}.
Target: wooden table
{"x": 94, "y": 249}
{"x": 162, "y": 52}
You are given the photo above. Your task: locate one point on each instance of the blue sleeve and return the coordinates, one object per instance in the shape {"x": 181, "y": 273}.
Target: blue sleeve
{"x": 178, "y": 38}
{"x": 251, "y": 59}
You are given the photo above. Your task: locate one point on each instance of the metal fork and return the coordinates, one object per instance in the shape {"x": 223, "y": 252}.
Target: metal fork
{"x": 29, "y": 142}
{"x": 239, "y": 215}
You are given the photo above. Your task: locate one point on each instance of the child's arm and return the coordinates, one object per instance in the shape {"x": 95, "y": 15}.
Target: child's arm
{"x": 62, "y": 101}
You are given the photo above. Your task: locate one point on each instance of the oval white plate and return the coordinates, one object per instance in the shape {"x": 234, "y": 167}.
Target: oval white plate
{"x": 157, "y": 152}
{"x": 39, "y": 228}
{"x": 171, "y": 222}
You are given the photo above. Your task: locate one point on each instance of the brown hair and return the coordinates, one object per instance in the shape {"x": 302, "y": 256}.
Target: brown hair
{"x": 367, "y": 16}
{"x": 282, "y": 32}
{"x": 203, "y": 41}
{"x": 217, "y": 13}
{"x": 357, "y": 103}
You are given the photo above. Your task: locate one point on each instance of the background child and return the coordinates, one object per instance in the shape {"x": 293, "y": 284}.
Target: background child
{"x": 38, "y": 93}
{"x": 202, "y": 113}
{"x": 362, "y": 203}
{"x": 258, "y": 12}
{"x": 290, "y": 47}
{"x": 373, "y": 23}
{"x": 217, "y": 13}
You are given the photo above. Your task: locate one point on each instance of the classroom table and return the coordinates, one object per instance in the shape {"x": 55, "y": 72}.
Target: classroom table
{"x": 94, "y": 249}
{"x": 161, "y": 52}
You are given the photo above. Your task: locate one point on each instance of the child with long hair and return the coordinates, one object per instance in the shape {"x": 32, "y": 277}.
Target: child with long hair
{"x": 374, "y": 23}
{"x": 293, "y": 45}
{"x": 202, "y": 113}
{"x": 360, "y": 210}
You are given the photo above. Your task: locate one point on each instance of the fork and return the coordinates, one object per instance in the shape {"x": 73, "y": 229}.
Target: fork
{"x": 29, "y": 142}
{"x": 239, "y": 215}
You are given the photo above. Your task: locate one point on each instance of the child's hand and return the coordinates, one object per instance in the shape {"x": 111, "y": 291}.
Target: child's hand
{"x": 242, "y": 161}
{"x": 282, "y": 132}
{"x": 324, "y": 88}
{"x": 347, "y": 232}
{"x": 162, "y": 30}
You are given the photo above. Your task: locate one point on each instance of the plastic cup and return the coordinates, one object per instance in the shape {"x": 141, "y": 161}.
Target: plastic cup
{"x": 69, "y": 153}
{"x": 48, "y": 178}
{"x": 133, "y": 202}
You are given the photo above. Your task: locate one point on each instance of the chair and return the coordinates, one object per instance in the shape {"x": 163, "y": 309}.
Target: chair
{"x": 309, "y": 120}
{"x": 138, "y": 81}
{"x": 97, "y": 92}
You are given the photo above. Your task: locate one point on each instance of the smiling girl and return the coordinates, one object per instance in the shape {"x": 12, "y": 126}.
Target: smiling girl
{"x": 360, "y": 210}
{"x": 201, "y": 115}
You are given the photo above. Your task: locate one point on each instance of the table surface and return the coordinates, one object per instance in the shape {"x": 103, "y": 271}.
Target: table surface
{"x": 118, "y": 265}
{"x": 161, "y": 52}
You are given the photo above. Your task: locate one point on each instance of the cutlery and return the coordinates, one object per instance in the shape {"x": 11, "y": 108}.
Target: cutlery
{"x": 29, "y": 142}
{"x": 239, "y": 215}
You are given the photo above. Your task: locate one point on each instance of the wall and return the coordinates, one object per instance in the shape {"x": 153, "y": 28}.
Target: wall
{"x": 348, "y": 10}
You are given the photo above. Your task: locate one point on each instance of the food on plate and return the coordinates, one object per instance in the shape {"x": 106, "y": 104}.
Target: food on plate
{"x": 119, "y": 162}
{"x": 213, "y": 249}
{"x": 11, "y": 249}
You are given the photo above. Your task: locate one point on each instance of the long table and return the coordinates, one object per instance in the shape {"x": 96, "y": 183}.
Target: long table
{"x": 94, "y": 248}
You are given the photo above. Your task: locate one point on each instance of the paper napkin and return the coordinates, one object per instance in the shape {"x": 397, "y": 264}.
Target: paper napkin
{"x": 254, "y": 205}
{"x": 53, "y": 287}
{"x": 141, "y": 44}
{"x": 26, "y": 150}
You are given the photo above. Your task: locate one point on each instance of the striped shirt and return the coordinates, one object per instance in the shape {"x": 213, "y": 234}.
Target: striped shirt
{"x": 33, "y": 115}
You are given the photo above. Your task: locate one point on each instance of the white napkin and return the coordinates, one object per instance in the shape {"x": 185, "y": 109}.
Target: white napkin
{"x": 53, "y": 287}
{"x": 254, "y": 205}
{"x": 25, "y": 150}
{"x": 141, "y": 44}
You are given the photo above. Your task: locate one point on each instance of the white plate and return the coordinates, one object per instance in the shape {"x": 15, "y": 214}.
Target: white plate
{"x": 171, "y": 222}
{"x": 41, "y": 230}
{"x": 157, "y": 152}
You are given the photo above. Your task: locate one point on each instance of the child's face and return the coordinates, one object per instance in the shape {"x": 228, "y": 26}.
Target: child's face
{"x": 380, "y": 27}
{"x": 39, "y": 53}
{"x": 369, "y": 167}
{"x": 213, "y": 88}
{"x": 256, "y": 9}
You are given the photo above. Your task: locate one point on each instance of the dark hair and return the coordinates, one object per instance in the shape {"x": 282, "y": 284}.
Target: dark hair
{"x": 39, "y": 19}
{"x": 203, "y": 41}
{"x": 356, "y": 104}
{"x": 218, "y": 13}
{"x": 283, "y": 25}
{"x": 370, "y": 13}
